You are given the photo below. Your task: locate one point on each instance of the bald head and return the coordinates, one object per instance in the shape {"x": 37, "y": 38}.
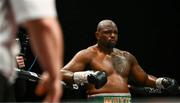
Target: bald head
{"x": 107, "y": 33}
{"x": 106, "y": 23}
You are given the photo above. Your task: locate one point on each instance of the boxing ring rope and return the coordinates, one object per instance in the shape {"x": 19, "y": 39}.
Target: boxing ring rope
{"x": 34, "y": 77}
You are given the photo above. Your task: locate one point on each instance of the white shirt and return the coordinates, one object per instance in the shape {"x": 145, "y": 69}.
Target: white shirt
{"x": 12, "y": 14}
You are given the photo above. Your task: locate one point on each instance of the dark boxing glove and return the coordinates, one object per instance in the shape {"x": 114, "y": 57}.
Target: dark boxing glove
{"x": 168, "y": 84}
{"x": 97, "y": 78}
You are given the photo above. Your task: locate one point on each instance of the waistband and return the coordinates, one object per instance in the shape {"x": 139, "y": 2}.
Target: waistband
{"x": 110, "y": 98}
{"x": 111, "y": 94}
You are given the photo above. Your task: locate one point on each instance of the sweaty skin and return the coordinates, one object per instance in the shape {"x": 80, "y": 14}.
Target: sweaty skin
{"x": 103, "y": 56}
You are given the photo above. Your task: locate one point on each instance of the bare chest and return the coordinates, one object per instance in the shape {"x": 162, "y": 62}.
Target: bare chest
{"x": 112, "y": 64}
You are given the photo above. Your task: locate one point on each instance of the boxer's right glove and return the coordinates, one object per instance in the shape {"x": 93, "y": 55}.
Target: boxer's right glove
{"x": 168, "y": 84}
{"x": 98, "y": 78}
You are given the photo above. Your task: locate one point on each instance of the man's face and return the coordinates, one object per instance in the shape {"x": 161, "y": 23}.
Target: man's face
{"x": 108, "y": 36}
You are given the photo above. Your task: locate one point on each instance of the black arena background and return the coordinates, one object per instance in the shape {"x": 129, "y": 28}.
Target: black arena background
{"x": 148, "y": 29}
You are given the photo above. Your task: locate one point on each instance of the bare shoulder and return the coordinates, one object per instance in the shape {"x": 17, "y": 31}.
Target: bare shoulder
{"x": 92, "y": 50}
{"x": 88, "y": 52}
{"x": 124, "y": 53}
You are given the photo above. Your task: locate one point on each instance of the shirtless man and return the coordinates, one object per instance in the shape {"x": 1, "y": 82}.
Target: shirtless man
{"x": 110, "y": 68}
{"x": 118, "y": 65}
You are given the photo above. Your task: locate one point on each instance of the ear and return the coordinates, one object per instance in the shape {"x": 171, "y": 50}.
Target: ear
{"x": 97, "y": 34}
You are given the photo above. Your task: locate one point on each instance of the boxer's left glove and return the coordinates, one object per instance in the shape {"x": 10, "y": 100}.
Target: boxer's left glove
{"x": 98, "y": 78}
{"x": 168, "y": 84}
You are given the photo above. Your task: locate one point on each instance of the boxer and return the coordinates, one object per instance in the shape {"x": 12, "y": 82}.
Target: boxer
{"x": 118, "y": 65}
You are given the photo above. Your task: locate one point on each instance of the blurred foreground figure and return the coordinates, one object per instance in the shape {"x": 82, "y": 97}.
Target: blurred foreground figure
{"x": 40, "y": 19}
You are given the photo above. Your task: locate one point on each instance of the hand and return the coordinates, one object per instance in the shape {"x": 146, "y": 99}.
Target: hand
{"x": 168, "y": 84}
{"x": 20, "y": 61}
{"x": 97, "y": 78}
{"x": 52, "y": 89}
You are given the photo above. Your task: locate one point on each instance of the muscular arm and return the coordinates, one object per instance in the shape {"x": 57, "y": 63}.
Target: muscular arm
{"x": 140, "y": 75}
{"x": 67, "y": 76}
{"x": 73, "y": 71}
{"x": 78, "y": 63}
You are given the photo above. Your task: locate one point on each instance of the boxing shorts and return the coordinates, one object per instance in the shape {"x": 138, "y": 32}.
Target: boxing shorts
{"x": 110, "y": 98}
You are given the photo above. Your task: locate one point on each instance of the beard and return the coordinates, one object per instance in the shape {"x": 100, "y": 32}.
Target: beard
{"x": 107, "y": 44}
